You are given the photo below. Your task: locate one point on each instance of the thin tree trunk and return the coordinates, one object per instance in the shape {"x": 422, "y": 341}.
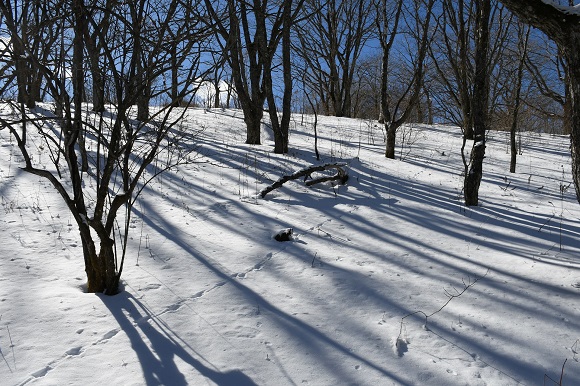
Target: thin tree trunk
{"x": 466, "y": 103}
{"x": 282, "y": 146}
{"x": 216, "y": 97}
{"x": 517, "y": 101}
{"x": 97, "y": 78}
{"x": 315, "y": 112}
{"x": 480, "y": 97}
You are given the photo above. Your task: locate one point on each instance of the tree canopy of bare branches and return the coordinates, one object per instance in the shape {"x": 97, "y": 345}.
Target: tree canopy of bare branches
{"x": 101, "y": 160}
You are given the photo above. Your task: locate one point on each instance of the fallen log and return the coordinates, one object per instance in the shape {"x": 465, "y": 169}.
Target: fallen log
{"x": 341, "y": 176}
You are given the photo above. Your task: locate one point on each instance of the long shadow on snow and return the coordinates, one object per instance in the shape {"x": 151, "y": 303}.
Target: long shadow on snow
{"x": 157, "y": 359}
{"x": 476, "y": 351}
{"x": 525, "y": 223}
{"x": 295, "y": 327}
{"x": 462, "y": 227}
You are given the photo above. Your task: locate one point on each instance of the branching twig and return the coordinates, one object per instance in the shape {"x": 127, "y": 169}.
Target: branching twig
{"x": 450, "y": 297}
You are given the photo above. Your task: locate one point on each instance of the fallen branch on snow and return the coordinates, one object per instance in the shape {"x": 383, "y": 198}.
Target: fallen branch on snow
{"x": 340, "y": 176}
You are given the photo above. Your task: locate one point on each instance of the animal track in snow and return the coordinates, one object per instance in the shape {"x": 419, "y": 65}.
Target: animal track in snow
{"x": 74, "y": 351}
{"x": 151, "y": 286}
{"x": 107, "y": 336}
{"x": 42, "y": 372}
{"x": 177, "y": 305}
{"x": 257, "y": 267}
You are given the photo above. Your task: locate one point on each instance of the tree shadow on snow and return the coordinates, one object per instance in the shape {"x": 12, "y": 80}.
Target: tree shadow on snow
{"x": 158, "y": 356}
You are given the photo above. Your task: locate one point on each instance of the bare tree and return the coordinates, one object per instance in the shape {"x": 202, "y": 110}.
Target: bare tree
{"x": 562, "y": 24}
{"x": 453, "y": 57}
{"x": 330, "y": 42}
{"x": 249, "y": 34}
{"x": 33, "y": 21}
{"x": 366, "y": 88}
{"x": 101, "y": 199}
{"x": 395, "y": 112}
{"x": 545, "y": 64}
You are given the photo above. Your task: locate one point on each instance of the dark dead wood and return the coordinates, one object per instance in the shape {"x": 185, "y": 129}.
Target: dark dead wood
{"x": 340, "y": 176}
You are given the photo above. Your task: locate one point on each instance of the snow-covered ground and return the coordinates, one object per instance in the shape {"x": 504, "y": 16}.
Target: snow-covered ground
{"x": 211, "y": 298}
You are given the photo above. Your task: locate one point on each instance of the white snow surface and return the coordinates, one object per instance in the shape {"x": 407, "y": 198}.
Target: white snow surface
{"x": 568, "y": 9}
{"x": 211, "y": 299}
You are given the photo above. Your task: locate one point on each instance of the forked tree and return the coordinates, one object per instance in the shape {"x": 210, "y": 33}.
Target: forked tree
{"x": 249, "y": 34}
{"x": 396, "y": 111}
{"x": 123, "y": 153}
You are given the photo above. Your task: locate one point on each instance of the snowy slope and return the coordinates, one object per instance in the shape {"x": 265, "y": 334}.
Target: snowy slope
{"x": 211, "y": 298}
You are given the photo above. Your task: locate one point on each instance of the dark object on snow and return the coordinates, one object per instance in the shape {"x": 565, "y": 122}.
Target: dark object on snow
{"x": 284, "y": 235}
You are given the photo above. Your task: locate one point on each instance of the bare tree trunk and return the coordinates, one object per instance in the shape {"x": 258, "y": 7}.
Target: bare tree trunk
{"x": 176, "y": 100}
{"x": 464, "y": 85}
{"x": 391, "y": 139}
{"x": 523, "y": 47}
{"x": 480, "y": 103}
{"x": 430, "y": 113}
{"x": 253, "y": 120}
{"x": 287, "y": 66}
{"x": 216, "y": 97}
{"x": 281, "y": 134}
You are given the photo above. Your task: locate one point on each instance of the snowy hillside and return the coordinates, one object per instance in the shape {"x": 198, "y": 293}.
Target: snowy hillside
{"x": 210, "y": 298}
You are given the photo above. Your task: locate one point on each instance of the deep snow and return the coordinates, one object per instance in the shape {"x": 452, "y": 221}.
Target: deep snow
{"x": 211, "y": 298}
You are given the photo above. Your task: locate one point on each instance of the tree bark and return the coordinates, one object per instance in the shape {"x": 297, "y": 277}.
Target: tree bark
{"x": 94, "y": 46}
{"x": 473, "y": 177}
{"x": 253, "y": 120}
{"x": 282, "y": 146}
{"x": 391, "y": 140}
